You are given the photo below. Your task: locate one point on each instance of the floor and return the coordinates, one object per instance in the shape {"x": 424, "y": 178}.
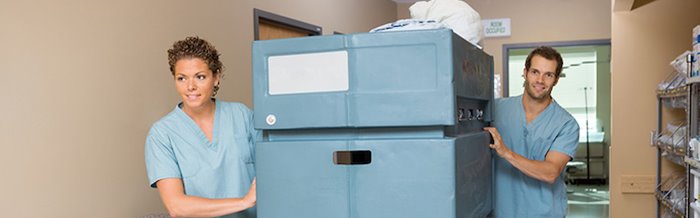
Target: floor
{"x": 588, "y": 201}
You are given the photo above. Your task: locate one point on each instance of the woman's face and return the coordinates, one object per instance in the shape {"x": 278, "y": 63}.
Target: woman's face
{"x": 195, "y": 83}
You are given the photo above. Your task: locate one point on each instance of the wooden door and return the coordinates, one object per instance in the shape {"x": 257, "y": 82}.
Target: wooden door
{"x": 273, "y": 26}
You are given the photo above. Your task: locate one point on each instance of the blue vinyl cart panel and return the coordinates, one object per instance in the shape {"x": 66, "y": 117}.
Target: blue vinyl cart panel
{"x": 441, "y": 177}
{"x": 383, "y": 79}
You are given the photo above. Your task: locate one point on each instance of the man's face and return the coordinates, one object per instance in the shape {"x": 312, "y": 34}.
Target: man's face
{"x": 540, "y": 78}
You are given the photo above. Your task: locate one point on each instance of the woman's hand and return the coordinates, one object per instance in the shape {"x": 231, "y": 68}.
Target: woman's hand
{"x": 181, "y": 205}
{"x": 251, "y": 197}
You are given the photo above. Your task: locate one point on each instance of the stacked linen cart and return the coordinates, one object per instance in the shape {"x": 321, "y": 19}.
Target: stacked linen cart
{"x": 373, "y": 125}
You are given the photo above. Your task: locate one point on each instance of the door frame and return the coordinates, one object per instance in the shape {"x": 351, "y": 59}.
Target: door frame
{"x": 260, "y": 15}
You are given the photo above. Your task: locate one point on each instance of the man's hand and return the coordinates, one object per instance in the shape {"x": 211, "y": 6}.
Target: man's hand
{"x": 498, "y": 146}
{"x": 546, "y": 171}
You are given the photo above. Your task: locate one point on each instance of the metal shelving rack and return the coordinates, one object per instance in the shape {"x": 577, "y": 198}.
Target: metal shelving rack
{"x": 691, "y": 161}
{"x": 675, "y": 152}
{"x": 682, "y": 97}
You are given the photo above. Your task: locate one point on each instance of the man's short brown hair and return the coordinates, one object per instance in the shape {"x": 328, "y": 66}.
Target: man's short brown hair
{"x": 548, "y": 53}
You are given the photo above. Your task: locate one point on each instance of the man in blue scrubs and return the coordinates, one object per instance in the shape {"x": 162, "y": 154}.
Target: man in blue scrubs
{"x": 534, "y": 138}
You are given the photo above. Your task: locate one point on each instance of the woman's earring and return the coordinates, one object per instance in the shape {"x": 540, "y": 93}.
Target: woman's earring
{"x": 216, "y": 90}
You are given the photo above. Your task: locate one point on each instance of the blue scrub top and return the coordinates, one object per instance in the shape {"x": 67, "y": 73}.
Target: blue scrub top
{"x": 223, "y": 168}
{"x": 518, "y": 195}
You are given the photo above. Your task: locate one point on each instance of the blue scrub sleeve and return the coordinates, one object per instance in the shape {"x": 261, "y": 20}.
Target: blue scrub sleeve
{"x": 566, "y": 140}
{"x": 254, "y": 135}
{"x": 160, "y": 157}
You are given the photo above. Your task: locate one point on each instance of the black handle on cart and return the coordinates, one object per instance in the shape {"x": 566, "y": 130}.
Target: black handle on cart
{"x": 358, "y": 157}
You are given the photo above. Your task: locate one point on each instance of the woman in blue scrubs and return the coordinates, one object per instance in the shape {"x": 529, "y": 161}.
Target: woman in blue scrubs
{"x": 200, "y": 155}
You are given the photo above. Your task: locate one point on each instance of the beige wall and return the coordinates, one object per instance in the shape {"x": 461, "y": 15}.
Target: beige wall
{"x": 82, "y": 81}
{"x": 644, "y": 41}
{"x": 540, "y": 21}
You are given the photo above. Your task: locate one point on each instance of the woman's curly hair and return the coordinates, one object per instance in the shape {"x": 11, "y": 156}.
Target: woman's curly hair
{"x": 194, "y": 47}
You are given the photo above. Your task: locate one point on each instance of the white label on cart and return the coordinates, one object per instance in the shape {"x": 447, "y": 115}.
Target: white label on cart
{"x": 308, "y": 73}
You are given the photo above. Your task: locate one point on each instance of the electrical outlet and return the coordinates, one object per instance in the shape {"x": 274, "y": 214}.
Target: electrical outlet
{"x": 638, "y": 184}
